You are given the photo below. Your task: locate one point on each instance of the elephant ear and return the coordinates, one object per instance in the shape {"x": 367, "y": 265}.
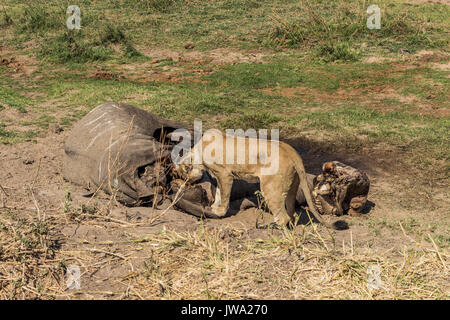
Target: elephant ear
{"x": 120, "y": 149}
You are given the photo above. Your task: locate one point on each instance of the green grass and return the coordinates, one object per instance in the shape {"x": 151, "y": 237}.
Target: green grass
{"x": 257, "y": 76}
{"x": 40, "y": 19}
{"x": 151, "y": 6}
{"x": 337, "y": 28}
{"x": 70, "y": 47}
{"x": 320, "y": 47}
{"x": 42, "y": 122}
{"x": 330, "y": 52}
{"x": 261, "y": 120}
{"x": 395, "y": 128}
{"x": 5, "y": 19}
{"x": 13, "y": 99}
{"x": 4, "y": 134}
{"x": 46, "y": 23}
{"x": 12, "y": 136}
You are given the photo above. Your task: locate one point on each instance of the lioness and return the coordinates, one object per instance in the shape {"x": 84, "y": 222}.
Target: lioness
{"x": 278, "y": 188}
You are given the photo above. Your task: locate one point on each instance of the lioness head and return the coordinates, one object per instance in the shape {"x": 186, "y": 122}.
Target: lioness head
{"x": 187, "y": 171}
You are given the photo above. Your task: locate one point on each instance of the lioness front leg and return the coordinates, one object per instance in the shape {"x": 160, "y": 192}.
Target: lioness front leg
{"x": 222, "y": 198}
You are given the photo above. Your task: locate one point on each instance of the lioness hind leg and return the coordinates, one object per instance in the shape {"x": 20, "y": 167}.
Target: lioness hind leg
{"x": 291, "y": 197}
{"x": 275, "y": 198}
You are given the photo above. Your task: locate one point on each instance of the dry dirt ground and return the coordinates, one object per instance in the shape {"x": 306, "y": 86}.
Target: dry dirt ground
{"x": 144, "y": 253}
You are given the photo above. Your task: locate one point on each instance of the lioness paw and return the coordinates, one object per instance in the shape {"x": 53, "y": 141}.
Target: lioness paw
{"x": 220, "y": 211}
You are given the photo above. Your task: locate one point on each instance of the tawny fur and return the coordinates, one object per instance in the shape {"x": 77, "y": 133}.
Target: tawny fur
{"x": 279, "y": 189}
